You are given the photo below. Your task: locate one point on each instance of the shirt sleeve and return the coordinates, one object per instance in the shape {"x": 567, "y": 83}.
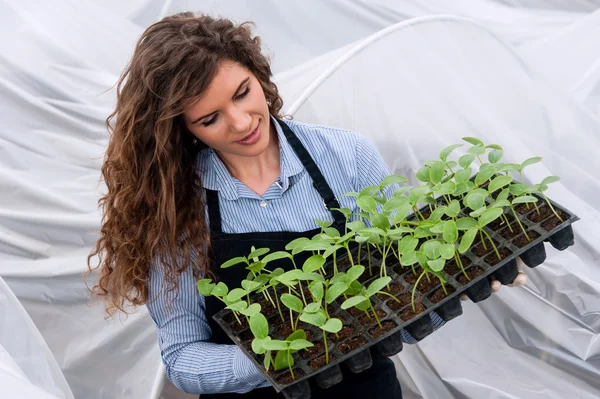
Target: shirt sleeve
{"x": 370, "y": 170}
{"x": 193, "y": 363}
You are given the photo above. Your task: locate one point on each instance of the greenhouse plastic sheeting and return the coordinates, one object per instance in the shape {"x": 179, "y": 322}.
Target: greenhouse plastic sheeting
{"x": 411, "y": 81}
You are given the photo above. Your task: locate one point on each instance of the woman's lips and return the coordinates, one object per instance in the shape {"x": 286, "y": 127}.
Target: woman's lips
{"x": 252, "y": 137}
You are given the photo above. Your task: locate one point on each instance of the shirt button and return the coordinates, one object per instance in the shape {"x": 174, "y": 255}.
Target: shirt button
{"x": 263, "y": 204}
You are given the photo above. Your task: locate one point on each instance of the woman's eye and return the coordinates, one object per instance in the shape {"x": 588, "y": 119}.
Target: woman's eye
{"x": 210, "y": 121}
{"x": 244, "y": 94}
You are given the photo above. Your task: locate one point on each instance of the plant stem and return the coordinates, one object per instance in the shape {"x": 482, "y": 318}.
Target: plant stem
{"x": 493, "y": 245}
{"x": 302, "y": 293}
{"x": 414, "y": 289}
{"x": 444, "y": 287}
{"x": 507, "y": 222}
{"x": 278, "y": 307}
{"x": 390, "y": 295}
{"x": 520, "y": 224}
{"x": 369, "y": 253}
{"x": 335, "y": 270}
{"x": 460, "y": 264}
{"x": 290, "y": 363}
{"x": 326, "y": 350}
{"x": 482, "y": 240}
{"x": 350, "y": 255}
{"x": 237, "y": 318}
{"x": 551, "y": 207}
{"x": 266, "y": 293}
{"x": 374, "y": 313}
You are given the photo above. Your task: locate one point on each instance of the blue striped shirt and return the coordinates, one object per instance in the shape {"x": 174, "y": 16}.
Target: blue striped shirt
{"x": 348, "y": 161}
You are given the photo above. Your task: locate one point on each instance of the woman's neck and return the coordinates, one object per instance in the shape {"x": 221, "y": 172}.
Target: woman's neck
{"x": 257, "y": 173}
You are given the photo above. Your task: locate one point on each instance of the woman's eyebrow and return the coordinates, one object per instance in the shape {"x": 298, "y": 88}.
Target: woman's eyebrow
{"x": 234, "y": 94}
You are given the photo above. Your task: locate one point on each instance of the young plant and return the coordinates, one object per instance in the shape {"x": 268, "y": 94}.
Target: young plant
{"x": 206, "y": 287}
{"x": 320, "y": 319}
{"x": 361, "y": 296}
{"x": 292, "y": 344}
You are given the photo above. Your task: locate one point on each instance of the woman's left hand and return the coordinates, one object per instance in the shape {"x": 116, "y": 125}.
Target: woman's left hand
{"x": 520, "y": 280}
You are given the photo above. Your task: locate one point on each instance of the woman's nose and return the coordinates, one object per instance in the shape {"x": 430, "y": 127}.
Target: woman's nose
{"x": 240, "y": 121}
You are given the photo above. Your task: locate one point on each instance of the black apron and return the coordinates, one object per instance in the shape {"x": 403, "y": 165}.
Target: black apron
{"x": 377, "y": 382}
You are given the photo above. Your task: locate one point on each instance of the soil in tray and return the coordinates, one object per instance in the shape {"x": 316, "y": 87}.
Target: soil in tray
{"x": 404, "y": 299}
{"x": 425, "y": 284}
{"x": 395, "y": 289}
{"x": 313, "y": 350}
{"x": 365, "y": 320}
{"x": 492, "y": 258}
{"x": 479, "y": 249}
{"x": 351, "y": 344}
{"x": 319, "y": 362}
{"x": 500, "y": 222}
{"x": 366, "y": 275}
{"x": 286, "y": 329}
{"x": 386, "y": 326}
{"x": 521, "y": 240}
{"x": 544, "y": 212}
{"x": 233, "y": 323}
{"x": 344, "y": 264}
{"x": 345, "y": 332}
{"x": 439, "y": 294}
{"x": 472, "y": 272}
{"x": 452, "y": 268}
{"x": 408, "y": 313}
{"x": 554, "y": 221}
{"x": 287, "y": 377}
{"x": 266, "y": 308}
{"x": 523, "y": 208}
{"x": 507, "y": 234}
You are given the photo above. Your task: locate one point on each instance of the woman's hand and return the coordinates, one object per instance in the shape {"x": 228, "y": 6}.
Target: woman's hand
{"x": 520, "y": 280}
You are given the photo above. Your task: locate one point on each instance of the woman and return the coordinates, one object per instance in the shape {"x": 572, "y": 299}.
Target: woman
{"x": 200, "y": 168}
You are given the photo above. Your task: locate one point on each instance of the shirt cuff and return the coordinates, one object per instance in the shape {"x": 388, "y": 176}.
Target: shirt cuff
{"x": 245, "y": 371}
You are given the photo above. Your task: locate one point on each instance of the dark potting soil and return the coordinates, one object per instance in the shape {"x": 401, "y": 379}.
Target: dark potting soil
{"x": 365, "y": 320}
{"x": 344, "y": 263}
{"x": 386, "y": 326}
{"x": 237, "y": 327}
{"x": 544, "y": 212}
{"x": 320, "y": 361}
{"x": 395, "y": 289}
{"x": 425, "y": 285}
{"x": 286, "y": 329}
{"x": 452, "y": 268}
{"x": 523, "y": 208}
{"x": 492, "y": 258}
{"x": 472, "y": 272}
{"x": 246, "y": 336}
{"x": 408, "y": 313}
{"x": 266, "y": 308}
{"x": 509, "y": 234}
{"x": 404, "y": 300}
{"x": 351, "y": 344}
{"x": 313, "y": 350}
{"x": 480, "y": 250}
{"x": 345, "y": 332}
{"x": 521, "y": 240}
{"x": 500, "y": 222}
{"x": 439, "y": 294}
{"x": 554, "y": 221}
{"x": 367, "y": 275}
{"x": 287, "y": 377}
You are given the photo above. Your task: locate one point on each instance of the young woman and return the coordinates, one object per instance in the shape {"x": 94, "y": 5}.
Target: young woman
{"x": 200, "y": 167}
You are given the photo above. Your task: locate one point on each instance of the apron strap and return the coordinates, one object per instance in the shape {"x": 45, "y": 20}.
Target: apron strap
{"x": 214, "y": 213}
{"x": 317, "y": 177}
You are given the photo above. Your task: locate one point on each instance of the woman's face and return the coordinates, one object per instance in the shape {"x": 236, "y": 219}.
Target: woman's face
{"x": 232, "y": 116}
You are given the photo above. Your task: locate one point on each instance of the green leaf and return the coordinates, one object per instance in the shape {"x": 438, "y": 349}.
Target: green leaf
{"x": 380, "y": 221}
{"x": 494, "y": 146}
{"x": 232, "y": 262}
{"x": 298, "y": 334}
{"x": 355, "y": 300}
{"x": 423, "y": 174}
{"x": 345, "y": 211}
{"x": 550, "y": 179}
{"x": 393, "y": 179}
{"x": 267, "y": 361}
{"x": 450, "y": 232}
{"x": 205, "y": 286}
{"x": 335, "y": 291}
{"x": 437, "y": 171}
{"x": 495, "y": 155}
{"x": 489, "y": 216}
{"x": 466, "y": 160}
{"x": 238, "y": 306}
{"x": 467, "y": 240}
{"x": 524, "y": 199}
{"x": 478, "y": 212}
{"x": 438, "y": 228}
{"x": 503, "y": 196}
{"x": 475, "y": 200}
{"x": 313, "y": 263}
{"x": 316, "y": 289}
{"x": 258, "y": 252}
{"x": 316, "y": 319}
{"x": 250, "y": 285}
{"x": 236, "y": 294}
{"x": 422, "y": 259}
{"x": 499, "y": 204}
{"x": 300, "y": 344}
{"x": 400, "y": 191}
{"x": 276, "y": 345}
{"x": 448, "y": 150}
{"x": 422, "y": 232}
{"x": 431, "y": 248}
{"x": 220, "y": 290}
{"x": 331, "y": 232}
{"x": 453, "y": 209}
{"x": 402, "y": 213}
{"x": 476, "y": 150}
{"x": 299, "y": 243}
{"x": 394, "y": 204}
{"x": 282, "y": 361}
{"x": 369, "y": 191}
{"x": 437, "y": 265}
{"x": 484, "y": 175}
{"x": 499, "y": 182}
{"x": 276, "y": 256}
{"x": 407, "y": 244}
{"x": 292, "y": 302}
{"x": 447, "y": 251}
{"x": 530, "y": 161}
{"x": 378, "y": 285}
{"x": 446, "y": 188}
{"x": 473, "y": 140}
{"x": 258, "y": 345}
{"x": 312, "y": 307}
{"x": 332, "y": 325}
{"x": 323, "y": 223}
{"x": 251, "y": 310}
{"x": 259, "y": 326}
{"x": 408, "y": 259}
{"x": 464, "y": 187}
{"x": 357, "y": 225}
{"x": 510, "y": 167}
{"x": 354, "y": 273}
{"x": 465, "y": 223}
{"x": 463, "y": 175}
{"x": 367, "y": 204}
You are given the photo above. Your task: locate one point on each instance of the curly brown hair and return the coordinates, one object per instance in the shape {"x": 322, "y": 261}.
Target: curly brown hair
{"x": 153, "y": 211}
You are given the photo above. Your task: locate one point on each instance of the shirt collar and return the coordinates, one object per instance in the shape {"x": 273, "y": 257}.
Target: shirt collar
{"x": 215, "y": 175}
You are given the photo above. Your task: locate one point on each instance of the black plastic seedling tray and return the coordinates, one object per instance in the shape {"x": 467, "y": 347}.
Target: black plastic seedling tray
{"x": 418, "y": 324}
